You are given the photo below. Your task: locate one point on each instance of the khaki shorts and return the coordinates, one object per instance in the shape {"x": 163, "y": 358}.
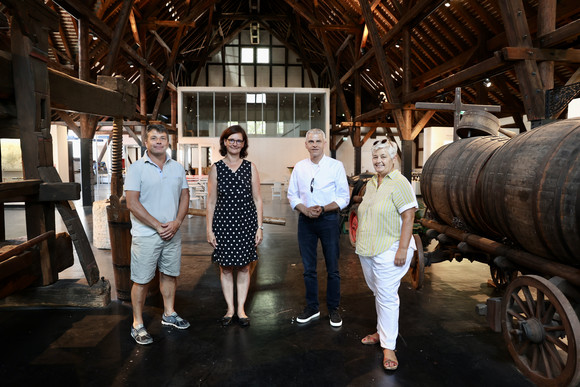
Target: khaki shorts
{"x": 150, "y": 252}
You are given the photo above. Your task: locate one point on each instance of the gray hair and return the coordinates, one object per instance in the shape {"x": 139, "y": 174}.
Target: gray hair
{"x": 387, "y": 144}
{"x": 316, "y": 131}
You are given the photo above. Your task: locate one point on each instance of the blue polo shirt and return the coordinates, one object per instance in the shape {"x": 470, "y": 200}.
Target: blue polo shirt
{"x": 159, "y": 190}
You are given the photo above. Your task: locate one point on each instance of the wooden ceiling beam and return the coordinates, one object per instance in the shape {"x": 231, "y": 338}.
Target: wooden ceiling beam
{"x": 489, "y": 21}
{"x": 562, "y": 34}
{"x": 79, "y": 10}
{"x": 65, "y": 43}
{"x": 421, "y": 124}
{"x": 247, "y": 16}
{"x": 153, "y": 24}
{"x": 449, "y": 34}
{"x": 407, "y": 18}
{"x": 344, "y": 44}
{"x": 384, "y": 67}
{"x": 352, "y": 29}
{"x": 208, "y": 38}
{"x": 117, "y": 36}
{"x": 450, "y": 65}
{"x": 161, "y": 42}
{"x": 518, "y": 35}
{"x": 492, "y": 64}
{"x": 168, "y": 71}
{"x": 334, "y": 75}
{"x": 70, "y": 123}
{"x": 510, "y": 100}
{"x": 570, "y": 55}
{"x": 228, "y": 38}
{"x": 135, "y": 32}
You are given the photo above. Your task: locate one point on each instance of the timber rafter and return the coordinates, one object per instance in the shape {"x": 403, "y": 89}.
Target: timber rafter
{"x": 456, "y": 46}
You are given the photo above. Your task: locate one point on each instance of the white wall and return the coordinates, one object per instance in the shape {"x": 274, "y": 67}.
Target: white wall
{"x": 435, "y": 137}
{"x": 272, "y": 156}
{"x": 346, "y": 154}
{"x": 59, "y": 135}
{"x": 574, "y": 108}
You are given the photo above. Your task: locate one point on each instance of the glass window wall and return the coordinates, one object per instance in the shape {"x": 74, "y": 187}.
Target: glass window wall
{"x": 262, "y": 112}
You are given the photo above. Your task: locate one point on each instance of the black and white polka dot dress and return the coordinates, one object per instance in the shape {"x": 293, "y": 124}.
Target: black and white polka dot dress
{"x": 235, "y": 219}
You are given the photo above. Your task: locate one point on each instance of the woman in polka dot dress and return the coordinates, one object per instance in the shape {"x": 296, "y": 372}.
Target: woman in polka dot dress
{"x": 234, "y": 218}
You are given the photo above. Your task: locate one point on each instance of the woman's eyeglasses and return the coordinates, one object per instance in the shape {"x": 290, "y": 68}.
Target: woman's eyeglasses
{"x": 380, "y": 141}
{"x": 231, "y": 141}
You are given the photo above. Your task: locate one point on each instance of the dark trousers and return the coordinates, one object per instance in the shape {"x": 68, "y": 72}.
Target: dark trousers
{"x": 325, "y": 228}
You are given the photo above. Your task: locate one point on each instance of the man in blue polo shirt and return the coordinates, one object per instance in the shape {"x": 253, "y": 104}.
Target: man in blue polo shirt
{"x": 158, "y": 198}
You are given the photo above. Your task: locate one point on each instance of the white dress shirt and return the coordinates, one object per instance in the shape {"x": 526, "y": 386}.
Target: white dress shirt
{"x": 318, "y": 184}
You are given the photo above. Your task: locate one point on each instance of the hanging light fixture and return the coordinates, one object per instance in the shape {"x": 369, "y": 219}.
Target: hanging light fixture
{"x": 486, "y": 82}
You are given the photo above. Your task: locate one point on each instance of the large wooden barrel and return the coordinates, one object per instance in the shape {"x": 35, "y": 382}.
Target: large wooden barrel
{"x": 530, "y": 191}
{"x": 449, "y": 182}
{"x": 120, "y": 233}
{"x": 477, "y": 123}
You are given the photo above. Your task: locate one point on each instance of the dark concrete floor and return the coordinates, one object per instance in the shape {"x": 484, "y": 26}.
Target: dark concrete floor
{"x": 442, "y": 341}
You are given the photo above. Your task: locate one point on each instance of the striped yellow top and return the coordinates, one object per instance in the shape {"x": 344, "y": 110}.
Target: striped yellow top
{"x": 379, "y": 219}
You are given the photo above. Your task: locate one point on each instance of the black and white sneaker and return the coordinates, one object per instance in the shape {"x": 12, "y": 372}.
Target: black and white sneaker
{"x": 307, "y": 315}
{"x": 335, "y": 319}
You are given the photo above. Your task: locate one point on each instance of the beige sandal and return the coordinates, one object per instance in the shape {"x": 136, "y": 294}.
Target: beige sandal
{"x": 371, "y": 339}
{"x": 390, "y": 364}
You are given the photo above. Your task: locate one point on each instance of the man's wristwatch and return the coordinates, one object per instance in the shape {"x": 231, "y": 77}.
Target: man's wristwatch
{"x": 322, "y": 210}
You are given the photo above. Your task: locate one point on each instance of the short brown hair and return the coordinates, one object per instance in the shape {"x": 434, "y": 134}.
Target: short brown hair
{"x": 227, "y": 133}
{"x": 157, "y": 127}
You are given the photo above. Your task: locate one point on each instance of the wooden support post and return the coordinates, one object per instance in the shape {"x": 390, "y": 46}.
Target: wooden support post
{"x": 174, "y": 136}
{"x": 86, "y": 145}
{"x": 546, "y": 24}
{"x": 143, "y": 92}
{"x": 518, "y": 35}
{"x": 33, "y": 115}
{"x": 407, "y": 133}
{"x": 357, "y": 112}
{"x": 333, "y": 138}
{"x": 86, "y": 137}
{"x": 143, "y": 104}
{"x": 407, "y": 160}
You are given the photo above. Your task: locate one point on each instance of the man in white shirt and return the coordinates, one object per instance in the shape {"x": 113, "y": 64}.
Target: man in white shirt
{"x": 318, "y": 189}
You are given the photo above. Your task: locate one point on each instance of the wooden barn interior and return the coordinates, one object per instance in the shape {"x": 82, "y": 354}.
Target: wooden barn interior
{"x": 456, "y": 84}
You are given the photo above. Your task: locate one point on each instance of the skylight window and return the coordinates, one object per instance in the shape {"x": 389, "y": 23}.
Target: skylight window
{"x": 256, "y": 98}
{"x": 247, "y": 55}
{"x": 263, "y": 55}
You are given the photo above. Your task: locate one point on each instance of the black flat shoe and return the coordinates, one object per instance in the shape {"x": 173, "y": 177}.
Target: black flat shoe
{"x": 226, "y": 320}
{"x": 244, "y": 321}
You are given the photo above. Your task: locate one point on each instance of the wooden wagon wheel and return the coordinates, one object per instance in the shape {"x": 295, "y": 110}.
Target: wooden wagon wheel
{"x": 541, "y": 331}
{"x": 418, "y": 265}
{"x": 352, "y": 225}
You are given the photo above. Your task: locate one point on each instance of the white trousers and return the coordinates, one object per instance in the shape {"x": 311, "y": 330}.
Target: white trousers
{"x": 384, "y": 278}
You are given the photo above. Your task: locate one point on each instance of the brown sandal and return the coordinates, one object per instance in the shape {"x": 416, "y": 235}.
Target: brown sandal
{"x": 371, "y": 339}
